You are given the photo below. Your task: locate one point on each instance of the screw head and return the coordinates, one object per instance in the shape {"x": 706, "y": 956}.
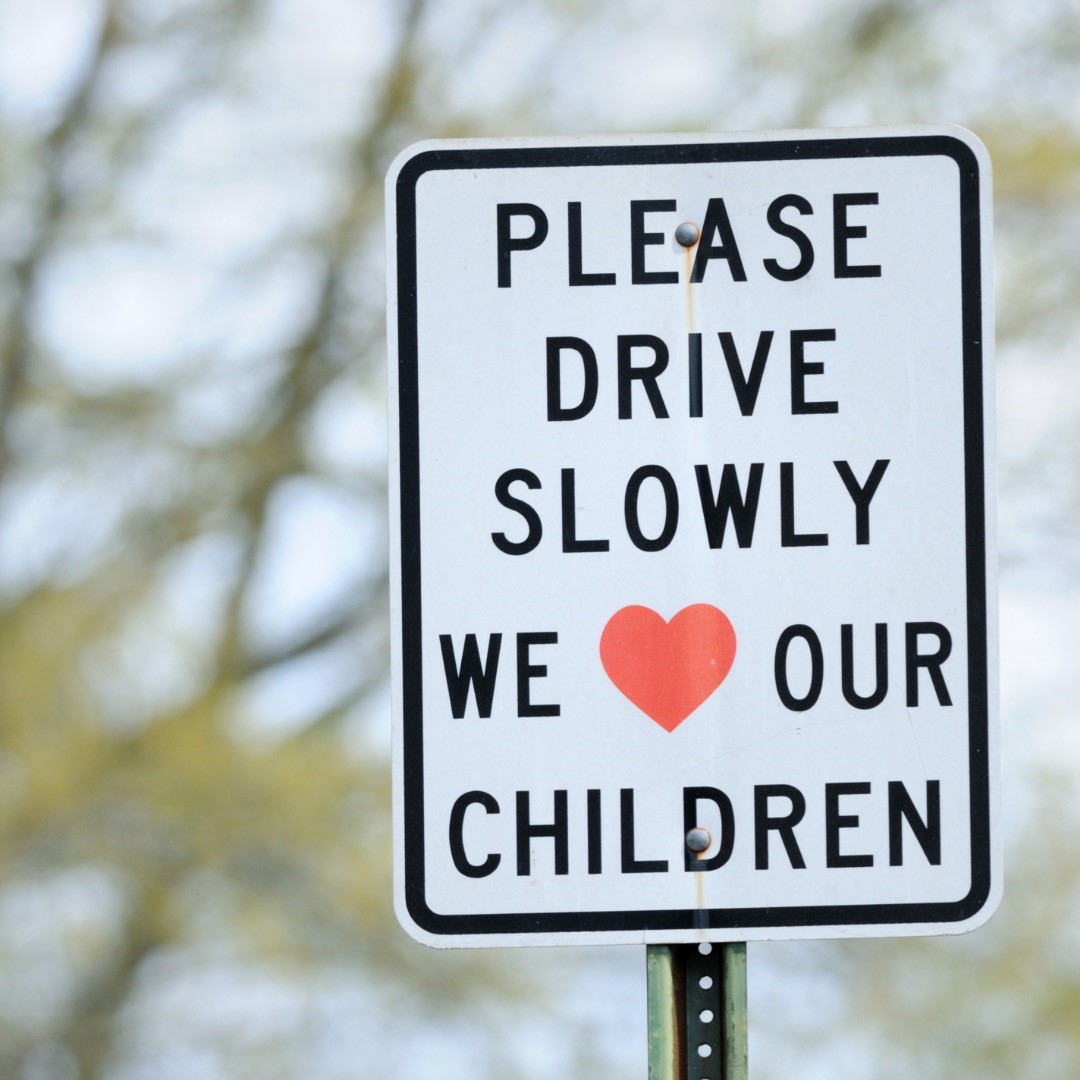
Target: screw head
{"x": 687, "y": 234}
{"x": 698, "y": 839}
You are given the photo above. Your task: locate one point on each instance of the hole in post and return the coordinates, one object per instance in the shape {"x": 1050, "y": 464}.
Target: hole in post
{"x": 705, "y": 982}
{"x": 705, "y": 948}
{"x": 704, "y": 1050}
{"x": 706, "y": 1016}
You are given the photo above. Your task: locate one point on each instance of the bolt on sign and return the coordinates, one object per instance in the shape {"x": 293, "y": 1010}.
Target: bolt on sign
{"x": 692, "y": 523}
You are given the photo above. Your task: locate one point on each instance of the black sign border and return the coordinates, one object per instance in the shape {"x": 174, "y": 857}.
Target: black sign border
{"x": 660, "y": 153}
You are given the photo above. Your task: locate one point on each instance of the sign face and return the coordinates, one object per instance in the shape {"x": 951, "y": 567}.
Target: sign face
{"x": 693, "y": 533}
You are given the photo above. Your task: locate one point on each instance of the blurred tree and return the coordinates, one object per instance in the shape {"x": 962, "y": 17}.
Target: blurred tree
{"x": 194, "y": 849}
{"x": 149, "y": 478}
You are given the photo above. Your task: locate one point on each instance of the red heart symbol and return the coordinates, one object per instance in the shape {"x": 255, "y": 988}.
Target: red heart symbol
{"x": 667, "y": 669}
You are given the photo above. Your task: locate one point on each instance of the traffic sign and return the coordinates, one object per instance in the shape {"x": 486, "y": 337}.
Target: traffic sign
{"x": 692, "y": 537}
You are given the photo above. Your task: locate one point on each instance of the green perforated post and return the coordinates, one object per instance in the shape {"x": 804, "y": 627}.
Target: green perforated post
{"x": 667, "y": 1057}
{"x": 697, "y": 1012}
{"x": 736, "y": 1065}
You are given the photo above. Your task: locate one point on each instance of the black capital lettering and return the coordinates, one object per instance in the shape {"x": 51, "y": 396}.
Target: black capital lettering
{"x": 932, "y": 661}
{"x": 457, "y": 842}
{"x": 592, "y": 818}
{"x": 764, "y": 823}
{"x": 671, "y": 508}
{"x": 782, "y": 228}
{"x": 527, "y": 831}
{"x": 556, "y": 346}
{"x": 801, "y": 367}
{"x": 527, "y": 671}
{"x": 788, "y": 536}
{"x": 570, "y": 542}
{"x": 691, "y": 797}
{"x": 694, "y": 346}
{"x": 862, "y": 494}
{"x": 746, "y": 387}
{"x": 630, "y": 863}
{"x": 881, "y": 666}
{"x": 573, "y": 229}
{"x": 926, "y": 831}
{"x": 471, "y": 673}
{"x": 729, "y": 502}
{"x": 780, "y": 666}
{"x": 505, "y": 243}
{"x": 717, "y": 224}
{"x": 843, "y": 232}
{"x": 647, "y": 374}
{"x": 835, "y": 821}
{"x": 532, "y": 518}
{"x": 640, "y": 239}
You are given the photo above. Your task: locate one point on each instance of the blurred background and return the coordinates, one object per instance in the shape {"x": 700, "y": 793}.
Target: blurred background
{"x": 194, "y": 731}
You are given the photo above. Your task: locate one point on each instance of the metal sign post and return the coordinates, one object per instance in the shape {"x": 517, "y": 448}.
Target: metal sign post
{"x": 697, "y": 1011}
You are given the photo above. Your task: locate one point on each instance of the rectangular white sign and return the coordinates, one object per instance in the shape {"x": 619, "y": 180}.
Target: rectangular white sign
{"x": 693, "y": 536}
